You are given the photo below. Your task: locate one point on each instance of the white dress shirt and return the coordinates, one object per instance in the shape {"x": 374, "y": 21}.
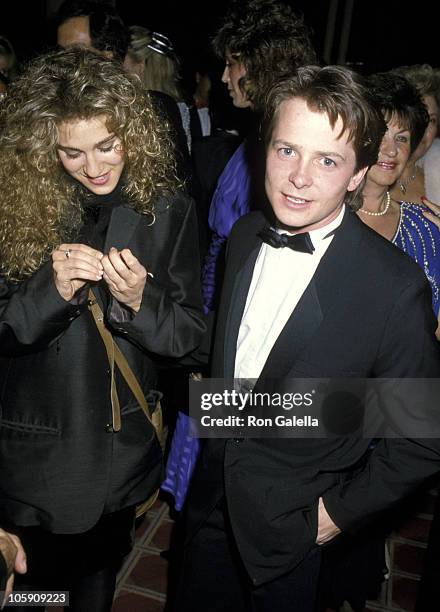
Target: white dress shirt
{"x": 280, "y": 278}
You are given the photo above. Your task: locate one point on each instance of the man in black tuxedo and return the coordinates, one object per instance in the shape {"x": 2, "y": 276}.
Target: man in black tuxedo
{"x": 341, "y": 303}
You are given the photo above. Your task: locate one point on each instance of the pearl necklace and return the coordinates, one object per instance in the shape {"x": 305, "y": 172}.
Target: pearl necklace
{"x": 382, "y": 212}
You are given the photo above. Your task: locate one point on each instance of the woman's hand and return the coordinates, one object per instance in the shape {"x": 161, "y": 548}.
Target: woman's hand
{"x": 125, "y": 277}
{"x": 434, "y": 211}
{"x": 73, "y": 266}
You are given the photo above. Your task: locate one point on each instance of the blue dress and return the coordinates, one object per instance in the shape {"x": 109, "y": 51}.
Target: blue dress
{"x": 420, "y": 239}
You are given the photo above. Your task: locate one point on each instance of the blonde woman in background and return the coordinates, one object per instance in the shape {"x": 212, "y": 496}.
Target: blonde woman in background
{"x": 152, "y": 57}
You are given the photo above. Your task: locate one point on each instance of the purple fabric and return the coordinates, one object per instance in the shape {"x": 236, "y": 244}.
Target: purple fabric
{"x": 181, "y": 460}
{"x": 229, "y": 202}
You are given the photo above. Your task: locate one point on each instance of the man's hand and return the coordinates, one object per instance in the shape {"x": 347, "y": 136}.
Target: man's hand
{"x": 15, "y": 559}
{"x": 327, "y": 530}
{"x": 125, "y": 277}
{"x": 73, "y": 265}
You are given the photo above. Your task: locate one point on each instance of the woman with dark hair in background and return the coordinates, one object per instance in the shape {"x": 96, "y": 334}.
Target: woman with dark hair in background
{"x": 90, "y": 200}
{"x": 354, "y": 568}
{"x": 261, "y": 41}
{"x": 420, "y": 178}
{"x": 404, "y": 223}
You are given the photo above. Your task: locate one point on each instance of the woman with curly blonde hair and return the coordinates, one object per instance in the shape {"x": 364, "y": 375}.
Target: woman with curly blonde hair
{"x": 89, "y": 201}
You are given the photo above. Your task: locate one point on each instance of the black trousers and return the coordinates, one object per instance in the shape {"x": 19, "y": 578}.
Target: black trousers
{"x": 213, "y": 577}
{"x": 84, "y": 564}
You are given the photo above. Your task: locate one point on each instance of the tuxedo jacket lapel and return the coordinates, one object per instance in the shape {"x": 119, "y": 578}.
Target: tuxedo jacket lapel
{"x": 239, "y": 295}
{"x": 337, "y": 267}
{"x": 296, "y": 334}
{"x": 301, "y": 325}
{"x": 319, "y": 297}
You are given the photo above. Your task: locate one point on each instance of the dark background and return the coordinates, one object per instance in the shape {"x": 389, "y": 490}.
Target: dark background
{"x": 382, "y": 34}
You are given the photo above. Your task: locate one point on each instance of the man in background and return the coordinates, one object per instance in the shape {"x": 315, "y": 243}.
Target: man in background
{"x": 94, "y": 25}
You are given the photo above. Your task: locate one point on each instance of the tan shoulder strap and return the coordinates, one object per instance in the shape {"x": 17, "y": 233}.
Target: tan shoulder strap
{"x": 115, "y": 355}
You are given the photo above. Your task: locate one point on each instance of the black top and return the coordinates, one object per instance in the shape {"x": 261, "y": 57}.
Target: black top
{"x": 97, "y": 210}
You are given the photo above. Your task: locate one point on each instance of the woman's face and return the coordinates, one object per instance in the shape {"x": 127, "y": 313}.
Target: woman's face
{"x": 393, "y": 155}
{"x": 91, "y": 154}
{"x": 431, "y": 130}
{"x": 233, "y": 72}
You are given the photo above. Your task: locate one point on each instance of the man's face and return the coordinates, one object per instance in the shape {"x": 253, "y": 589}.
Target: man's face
{"x": 74, "y": 32}
{"x": 309, "y": 168}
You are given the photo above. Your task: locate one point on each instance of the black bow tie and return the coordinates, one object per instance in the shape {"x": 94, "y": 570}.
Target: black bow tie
{"x": 297, "y": 242}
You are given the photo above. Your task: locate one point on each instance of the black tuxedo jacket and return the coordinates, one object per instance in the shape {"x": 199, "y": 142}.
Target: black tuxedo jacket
{"x": 366, "y": 313}
{"x": 61, "y": 465}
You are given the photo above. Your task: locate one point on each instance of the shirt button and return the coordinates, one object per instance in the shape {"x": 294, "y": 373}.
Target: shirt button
{"x": 109, "y": 428}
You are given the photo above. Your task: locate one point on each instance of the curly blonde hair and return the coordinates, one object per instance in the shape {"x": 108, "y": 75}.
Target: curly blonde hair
{"x": 40, "y": 205}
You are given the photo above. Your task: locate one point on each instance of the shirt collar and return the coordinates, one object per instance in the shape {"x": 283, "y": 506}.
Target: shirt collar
{"x": 323, "y": 233}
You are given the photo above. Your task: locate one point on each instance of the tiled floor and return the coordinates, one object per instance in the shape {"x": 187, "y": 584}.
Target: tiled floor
{"x": 142, "y": 581}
